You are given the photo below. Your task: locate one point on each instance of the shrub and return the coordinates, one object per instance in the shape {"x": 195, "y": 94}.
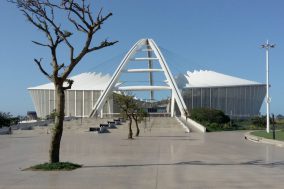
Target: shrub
{"x": 213, "y": 127}
{"x": 212, "y": 119}
{"x": 6, "y": 119}
{"x": 209, "y": 115}
{"x": 259, "y": 121}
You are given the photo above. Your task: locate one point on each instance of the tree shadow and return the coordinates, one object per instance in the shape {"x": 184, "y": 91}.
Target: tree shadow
{"x": 165, "y": 136}
{"x": 198, "y": 163}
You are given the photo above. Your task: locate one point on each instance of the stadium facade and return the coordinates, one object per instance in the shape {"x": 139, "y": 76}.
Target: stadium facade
{"x": 91, "y": 93}
{"x": 79, "y": 100}
{"x": 238, "y": 98}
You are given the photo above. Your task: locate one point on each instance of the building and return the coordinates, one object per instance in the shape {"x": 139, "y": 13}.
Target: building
{"x": 238, "y": 98}
{"x": 79, "y": 100}
{"x": 91, "y": 93}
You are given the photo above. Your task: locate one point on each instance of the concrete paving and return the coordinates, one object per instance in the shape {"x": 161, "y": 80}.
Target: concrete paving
{"x": 162, "y": 157}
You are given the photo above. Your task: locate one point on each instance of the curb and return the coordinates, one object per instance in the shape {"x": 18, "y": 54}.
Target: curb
{"x": 253, "y": 138}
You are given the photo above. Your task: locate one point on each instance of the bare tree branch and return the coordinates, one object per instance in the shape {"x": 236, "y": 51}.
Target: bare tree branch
{"x": 30, "y": 19}
{"x": 41, "y": 44}
{"x": 103, "y": 44}
{"x": 100, "y": 21}
{"x": 38, "y": 62}
{"x": 79, "y": 27}
{"x": 58, "y": 40}
{"x": 60, "y": 67}
{"x": 76, "y": 9}
{"x": 90, "y": 14}
{"x": 41, "y": 13}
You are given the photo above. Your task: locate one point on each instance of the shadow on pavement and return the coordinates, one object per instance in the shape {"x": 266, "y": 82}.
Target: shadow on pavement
{"x": 253, "y": 163}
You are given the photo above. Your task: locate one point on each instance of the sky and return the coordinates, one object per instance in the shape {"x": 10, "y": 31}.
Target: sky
{"x": 220, "y": 35}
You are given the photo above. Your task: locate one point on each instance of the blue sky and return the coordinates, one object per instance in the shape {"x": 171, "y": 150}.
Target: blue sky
{"x": 220, "y": 35}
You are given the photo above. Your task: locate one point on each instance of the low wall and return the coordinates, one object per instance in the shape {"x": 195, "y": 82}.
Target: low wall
{"x": 193, "y": 125}
{"x": 29, "y": 125}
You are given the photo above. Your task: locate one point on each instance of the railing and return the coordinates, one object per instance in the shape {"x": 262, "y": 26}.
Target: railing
{"x": 152, "y": 114}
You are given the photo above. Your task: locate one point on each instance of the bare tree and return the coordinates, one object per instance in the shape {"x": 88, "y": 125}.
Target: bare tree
{"x": 43, "y": 15}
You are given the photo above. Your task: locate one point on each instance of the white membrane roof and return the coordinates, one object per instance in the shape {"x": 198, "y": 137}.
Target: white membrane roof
{"x": 202, "y": 78}
{"x": 83, "y": 81}
{"x": 205, "y": 78}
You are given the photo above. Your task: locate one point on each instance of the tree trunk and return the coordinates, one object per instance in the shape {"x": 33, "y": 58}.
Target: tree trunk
{"x": 54, "y": 150}
{"x": 130, "y": 134}
{"x": 137, "y": 127}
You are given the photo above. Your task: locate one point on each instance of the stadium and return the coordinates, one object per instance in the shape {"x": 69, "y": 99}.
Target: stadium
{"x": 238, "y": 98}
{"x": 91, "y": 93}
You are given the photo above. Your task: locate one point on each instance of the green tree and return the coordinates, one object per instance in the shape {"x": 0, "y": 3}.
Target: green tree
{"x": 6, "y": 119}
{"x": 138, "y": 115}
{"x": 44, "y": 16}
{"x": 127, "y": 106}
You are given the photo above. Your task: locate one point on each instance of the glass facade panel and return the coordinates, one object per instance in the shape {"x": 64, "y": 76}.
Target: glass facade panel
{"x": 221, "y": 105}
{"x": 87, "y": 102}
{"x": 96, "y": 95}
{"x": 187, "y": 97}
{"x": 71, "y": 103}
{"x": 196, "y": 97}
{"x": 79, "y": 103}
{"x": 51, "y": 100}
{"x": 205, "y": 93}
{"x": 238, "y": 101}
{"x": 214, "y": 98}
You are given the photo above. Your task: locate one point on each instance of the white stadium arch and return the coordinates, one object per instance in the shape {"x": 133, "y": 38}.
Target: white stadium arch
{"x": 153, "y": 54}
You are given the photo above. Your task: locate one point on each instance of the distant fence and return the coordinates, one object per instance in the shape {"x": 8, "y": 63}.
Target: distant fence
{"x": 153, "y": 114}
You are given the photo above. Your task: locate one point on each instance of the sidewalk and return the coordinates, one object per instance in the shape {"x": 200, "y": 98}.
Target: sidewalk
{"x": 163, "y": 157}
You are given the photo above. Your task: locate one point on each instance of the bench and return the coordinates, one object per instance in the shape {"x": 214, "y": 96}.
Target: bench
{"x": 111, "y": 124}
{"x": 103, "y": 125}
{"x": 94, "y": 129}
{"x": 103, "y": 128}
{"x": 122, "y": 119}
{"x": 117, "y": 122}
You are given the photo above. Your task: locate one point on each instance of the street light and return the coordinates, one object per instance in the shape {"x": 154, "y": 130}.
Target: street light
{"x": 267, "y": 46}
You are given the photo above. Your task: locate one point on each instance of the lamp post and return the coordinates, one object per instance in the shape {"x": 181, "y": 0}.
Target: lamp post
{"x": 267, "y": 46}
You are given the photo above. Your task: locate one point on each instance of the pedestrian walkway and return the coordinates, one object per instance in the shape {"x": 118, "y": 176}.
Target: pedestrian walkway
{"x": 164, "y": 157}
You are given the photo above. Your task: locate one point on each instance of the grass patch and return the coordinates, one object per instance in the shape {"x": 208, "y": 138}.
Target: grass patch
{"x": 279, "y": 135}
{"x": 60, "y": 166}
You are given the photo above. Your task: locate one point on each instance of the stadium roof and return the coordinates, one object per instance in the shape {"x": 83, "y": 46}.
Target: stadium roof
{"x": 202, "y": 78}
{"x": 83, "y": 81}
{"x": 205, "y": 78}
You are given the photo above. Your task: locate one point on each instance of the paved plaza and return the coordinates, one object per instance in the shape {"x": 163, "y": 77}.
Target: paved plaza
{"x": 163, "y": 157}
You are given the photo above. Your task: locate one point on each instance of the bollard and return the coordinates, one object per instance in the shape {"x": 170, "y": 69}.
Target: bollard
{"x": 273, "y": 127}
